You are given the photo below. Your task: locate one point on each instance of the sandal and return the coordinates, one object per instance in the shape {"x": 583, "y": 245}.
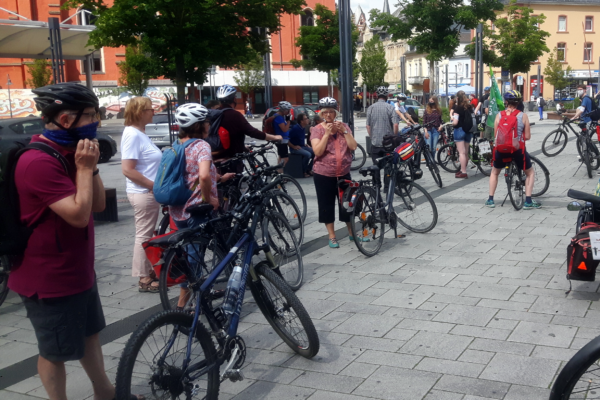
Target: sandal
{"x": 148, "y": 287}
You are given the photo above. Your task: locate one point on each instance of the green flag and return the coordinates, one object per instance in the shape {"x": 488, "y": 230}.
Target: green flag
{"x": 496, "y": 101}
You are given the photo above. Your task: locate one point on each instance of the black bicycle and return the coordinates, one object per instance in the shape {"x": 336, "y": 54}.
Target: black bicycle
{"x": 359, "y": 157}
{"x": 556, "y": 141}
{"x": 4, "y": 272}
{"x": 589, "y": 211}
{"x": 422, "y": 149}
{"x": 515, "y": 181}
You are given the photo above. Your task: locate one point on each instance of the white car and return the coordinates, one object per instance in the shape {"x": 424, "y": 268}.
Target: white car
{"x": 158, "y": 130}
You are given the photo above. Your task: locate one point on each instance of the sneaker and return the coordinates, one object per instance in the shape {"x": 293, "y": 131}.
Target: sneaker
{"x": 490, "y": 204}
{"x": 333, "y": 243}
{"x": 532, "y": 206}
{"x": 460, "y": 175}
{"x": 364, "y": 239}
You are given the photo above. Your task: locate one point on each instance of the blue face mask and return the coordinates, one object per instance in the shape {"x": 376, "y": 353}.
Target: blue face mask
{"x": 69, "y": 138}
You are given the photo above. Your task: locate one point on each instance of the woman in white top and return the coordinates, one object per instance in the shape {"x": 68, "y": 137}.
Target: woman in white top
{"x": 140, "y": 160}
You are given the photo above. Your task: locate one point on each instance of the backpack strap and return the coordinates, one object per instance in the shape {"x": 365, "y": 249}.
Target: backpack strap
{"x": 48, "y": 150}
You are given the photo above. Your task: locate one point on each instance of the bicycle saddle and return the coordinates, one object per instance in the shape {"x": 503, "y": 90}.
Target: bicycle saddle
{"x": 369, "y": 170}
{"x": 200, "y": 210}
{"x": 577, "y": 195}
{"x": 168, "y": 239}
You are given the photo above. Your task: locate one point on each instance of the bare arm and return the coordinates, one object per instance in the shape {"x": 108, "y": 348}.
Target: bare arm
{"x": 99, "y": 197}
{"x": 350, "y": 140}
{"x": 206, "y": 183}
{"x": 496, "y": 122}
{"x": 526, "y": 128}
{"x": 284, "y": 126}
{"x": 128, "y": 168}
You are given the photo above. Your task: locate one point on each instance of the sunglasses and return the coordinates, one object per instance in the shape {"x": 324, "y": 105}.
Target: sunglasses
{"x": 91, "y": 114}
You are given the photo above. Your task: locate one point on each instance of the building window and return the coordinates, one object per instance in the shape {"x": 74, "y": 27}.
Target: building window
{"x": 310, "y": 94}
{"x": 589, "y": 24}
{"x": 587, "y": 52}
{"x": 561, "y": 52}
{"x": 467, "y": 71}
{"x": 307, "y": 19}
{"x": 562, "y": 23}
{"x": 85, "y": 17}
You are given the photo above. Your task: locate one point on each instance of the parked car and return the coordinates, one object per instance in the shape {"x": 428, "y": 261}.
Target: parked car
{"x": 158, "y": 130}
{"x": 297, "y": 109}
{"x": 22, "y": 129}
{"x": 408, "y": 103}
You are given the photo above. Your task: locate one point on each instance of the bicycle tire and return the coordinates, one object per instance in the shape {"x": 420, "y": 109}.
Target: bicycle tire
{"x": 296, "y": 192}
{"x": 263, "y": 290}
{"x": 366, "y": 219}
{"x": 585, "y": 154}
{"x": 172, "y": 272}
{"x": 286, "y": 206}
{"x": 165, "y": 223}
{"x": 410, "y": 193}
{"x": 483, "y": 162}
{"x": 4, "y": 271}
{"x": 359, "y": 157}
{"x": 127, "y": 384}
{"x": 284, "y": 248}
{"x": 558, "y": 139}
{"x": 435, "y": 171}
{"x": 448, "y": 159}
{"x": 595, "y": 155}
{"x": 540, "y": 167}
{"x": 574, "y": 370}
{"x": 516, "y": 187}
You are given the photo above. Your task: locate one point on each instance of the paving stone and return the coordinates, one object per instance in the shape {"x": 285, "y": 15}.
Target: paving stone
{"x": 396, "y": 298}
{"x": 372, "y": 343}
{"x": 367, "y": 325}
{"x": 331, "y": 359}
{"x": 390, "y": 359}
{"x": 504, "y": 305}
{"x": 9, "y": 395}
{"x": 431, "y": 306}
{"x": 272, "y": 391}
{"x": 439, "y": 395}
{"x": 400, "y": 334}
{"x": 543, "y": 334}
{"x": 335, "y": 383}
{"x": 351, "y": 286}
{"x": 466, "y": 315}
{"x": 553, "y": 353}
{"x": 450, "y": 367}
{"x": 524, "y": 316}
{"x": 556, "y": 306}
{"x": 502, "y": 323}
{"x": 430, "y": 278}
{"x": 270, "y": 373}
{"x": 420, "y": 325}
{"x": 359, "y": 369}
{"x": 500, "y": 346}
{"x": 477, "y": 331}
{"x": 444, "y": 298}
{"x": 517, "y": 392}
{"x": 521, "y": 370}
{"x": 476, "y": 356}
{"x": 323, "y": 395}
{"x": 489, "y": 291}
{"x": 474, "y": 387}
{"x": 397, "y": 384}
{"x": 437, "y": 345}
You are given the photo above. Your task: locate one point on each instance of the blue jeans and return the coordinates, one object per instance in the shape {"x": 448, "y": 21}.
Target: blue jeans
{"x": 308, "y": 156}
{"x": 541, "y": 109}
{"x": 434, "y": 136}
{"x": 193, "y": 256}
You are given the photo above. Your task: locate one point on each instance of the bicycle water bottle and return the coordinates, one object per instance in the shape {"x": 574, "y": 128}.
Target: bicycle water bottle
{"x": 233, "y": 289}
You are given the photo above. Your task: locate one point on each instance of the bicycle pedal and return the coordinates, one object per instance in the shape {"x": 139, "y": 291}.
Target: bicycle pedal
{"x": 234, "y": 375}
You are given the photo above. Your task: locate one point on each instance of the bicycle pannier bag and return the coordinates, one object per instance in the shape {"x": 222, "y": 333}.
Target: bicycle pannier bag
{"x": 404, "y": 152}
{"x": 170, "y": 186}
{"x": 507, "y": 135}
{"x": 390, "y": 142}
{"x": 581, "y": 265}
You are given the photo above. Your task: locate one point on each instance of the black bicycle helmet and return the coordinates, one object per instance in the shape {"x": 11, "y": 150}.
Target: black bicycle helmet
{"x": 53, "y": 99}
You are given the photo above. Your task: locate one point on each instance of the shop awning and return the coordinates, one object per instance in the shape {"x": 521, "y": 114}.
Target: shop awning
{"x": 29, "y": 39}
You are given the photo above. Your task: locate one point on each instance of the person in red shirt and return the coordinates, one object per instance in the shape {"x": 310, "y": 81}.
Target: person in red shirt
{"x": 55, "y": 277}
{"x": 473, "y": 100}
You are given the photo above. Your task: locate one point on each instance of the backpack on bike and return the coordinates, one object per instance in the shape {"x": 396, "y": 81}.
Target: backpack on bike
{"x": 14, "y": 235}
{"x": 390, "y": 142}
{"x": 413, "y": 114}
{"x": 581, "y": 265}
{"x": 170, "y": 186}
{"x": 507, "y": 135}
{"x": 218, "y": 137}
{"x": 268, "y": 125}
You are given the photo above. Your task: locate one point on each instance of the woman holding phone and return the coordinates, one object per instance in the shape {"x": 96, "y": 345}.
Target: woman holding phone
{"x": 333, "y": 144}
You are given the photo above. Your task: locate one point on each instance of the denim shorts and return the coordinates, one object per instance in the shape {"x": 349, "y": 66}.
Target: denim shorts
{"x": 461, "y": 136}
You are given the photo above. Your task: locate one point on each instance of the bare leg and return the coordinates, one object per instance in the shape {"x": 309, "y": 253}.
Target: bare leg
{"x": 349, "y": 226}
{"x": 463, "y": 148}
{"x": 494, "y": 180}
{"x": 330, "y": 230}
{"x": 184, "y": 294}
{"x": 93, "y": 364}
{"x": 529, "y": 181}
{"x": 54, "y": 378}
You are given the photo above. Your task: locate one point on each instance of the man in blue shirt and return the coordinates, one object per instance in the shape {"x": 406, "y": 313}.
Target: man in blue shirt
{"x": 586, "y": 106}
{"x": 297, "y": 143}
{"x": 281, "y": 126}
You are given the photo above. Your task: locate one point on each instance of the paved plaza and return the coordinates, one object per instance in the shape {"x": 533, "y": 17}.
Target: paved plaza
{"x": 475, "y": 309}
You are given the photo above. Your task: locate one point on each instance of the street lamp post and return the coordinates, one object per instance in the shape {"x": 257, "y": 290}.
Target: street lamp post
{"x": 345, "y": 74}
{"x": 8, "y": 83}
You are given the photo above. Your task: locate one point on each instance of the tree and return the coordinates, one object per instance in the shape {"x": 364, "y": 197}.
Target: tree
{"x": 320, "y": 44}
{"x": 134, "y": 79}
{"x": 184, "y": 38}
{"x": 40, "y": 72}
{"x": 373, "y": 65}
{"x": 554, "y": 73}
{"x": 516, "y": 40}
{"x": 434, "y": 26}
{"x": 250, "y": 76}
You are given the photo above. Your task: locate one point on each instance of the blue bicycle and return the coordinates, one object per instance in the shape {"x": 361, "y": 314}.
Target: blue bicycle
{"x": 173, "y": 355}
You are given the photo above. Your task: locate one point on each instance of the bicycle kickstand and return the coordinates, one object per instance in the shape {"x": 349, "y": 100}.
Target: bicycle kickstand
{"x": 580, "y": 164}
{"x": 504, "y": 201}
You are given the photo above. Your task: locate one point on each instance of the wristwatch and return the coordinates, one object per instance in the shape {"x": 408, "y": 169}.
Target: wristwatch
{"x": 96, "y": 172}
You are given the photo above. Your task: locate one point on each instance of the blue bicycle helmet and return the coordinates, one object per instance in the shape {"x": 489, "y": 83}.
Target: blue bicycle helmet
{"x": 512, "y": 95}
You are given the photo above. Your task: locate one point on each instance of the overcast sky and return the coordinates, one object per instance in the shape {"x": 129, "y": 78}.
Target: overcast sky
{"x": 366, "y": 5}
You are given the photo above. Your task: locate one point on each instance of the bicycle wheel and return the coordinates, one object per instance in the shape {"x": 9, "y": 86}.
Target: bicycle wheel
{"x": 359, "y": 157}
{"x": 448, "y": 159}
{"x": 196, "y": 257}
{"x": 542, "y": 177}
{"x": 516, "y": 186}
{"x": 483, "y": 162}
{"x": 584, "y": 145}
{"x": 579, "y": 379}
{"x": 284, "y": 248}
{"x": 594, "y": 155}
{"x": 292, "y": 188}
{"x": 435, "y": 171}
{"x": 284, "y": 205}
{"x": 152, "y": 362}
{"x": 284, "y": 311}
{"x": 415, "y": 208}
{"x": 4, "y": 270}
{"x": 554, "y": 143}
{"x": 165, "y": 224}
{"x": 368, "y": 225}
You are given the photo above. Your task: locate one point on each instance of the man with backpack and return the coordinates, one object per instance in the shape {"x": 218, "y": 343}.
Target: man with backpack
{"x": 588, "y": 105}
{"x": 512, "y": 130}
{"x": 381, "y": 121}
{"x": 58, "y": 186}
{"x": 232, "y": 129}
{"x": 281, "y": 126}
{"x": 540, "y": 102}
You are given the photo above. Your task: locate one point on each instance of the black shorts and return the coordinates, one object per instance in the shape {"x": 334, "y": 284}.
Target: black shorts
{"x": 502, "y": 160}
{"x": 61, "y": 324}
{"x": 282, "y": 150}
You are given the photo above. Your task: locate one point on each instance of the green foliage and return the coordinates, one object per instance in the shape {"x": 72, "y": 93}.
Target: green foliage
{"x": 445, "y": 114}
{"x": 320, "y": 45}
{"x": 373, "y": 65}
{"x": 250, "y": 76}
{"x": 184, "y": 38}
{"x": 433, "y": 26}
{"x": 516, "y": 40}
{"x": 554, "y": 73}
{"x": 41, "y": 74}
{"x": 132, "y": 75}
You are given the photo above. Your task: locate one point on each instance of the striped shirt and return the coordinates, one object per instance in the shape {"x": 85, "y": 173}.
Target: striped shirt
{"x": 381, "y": 119}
